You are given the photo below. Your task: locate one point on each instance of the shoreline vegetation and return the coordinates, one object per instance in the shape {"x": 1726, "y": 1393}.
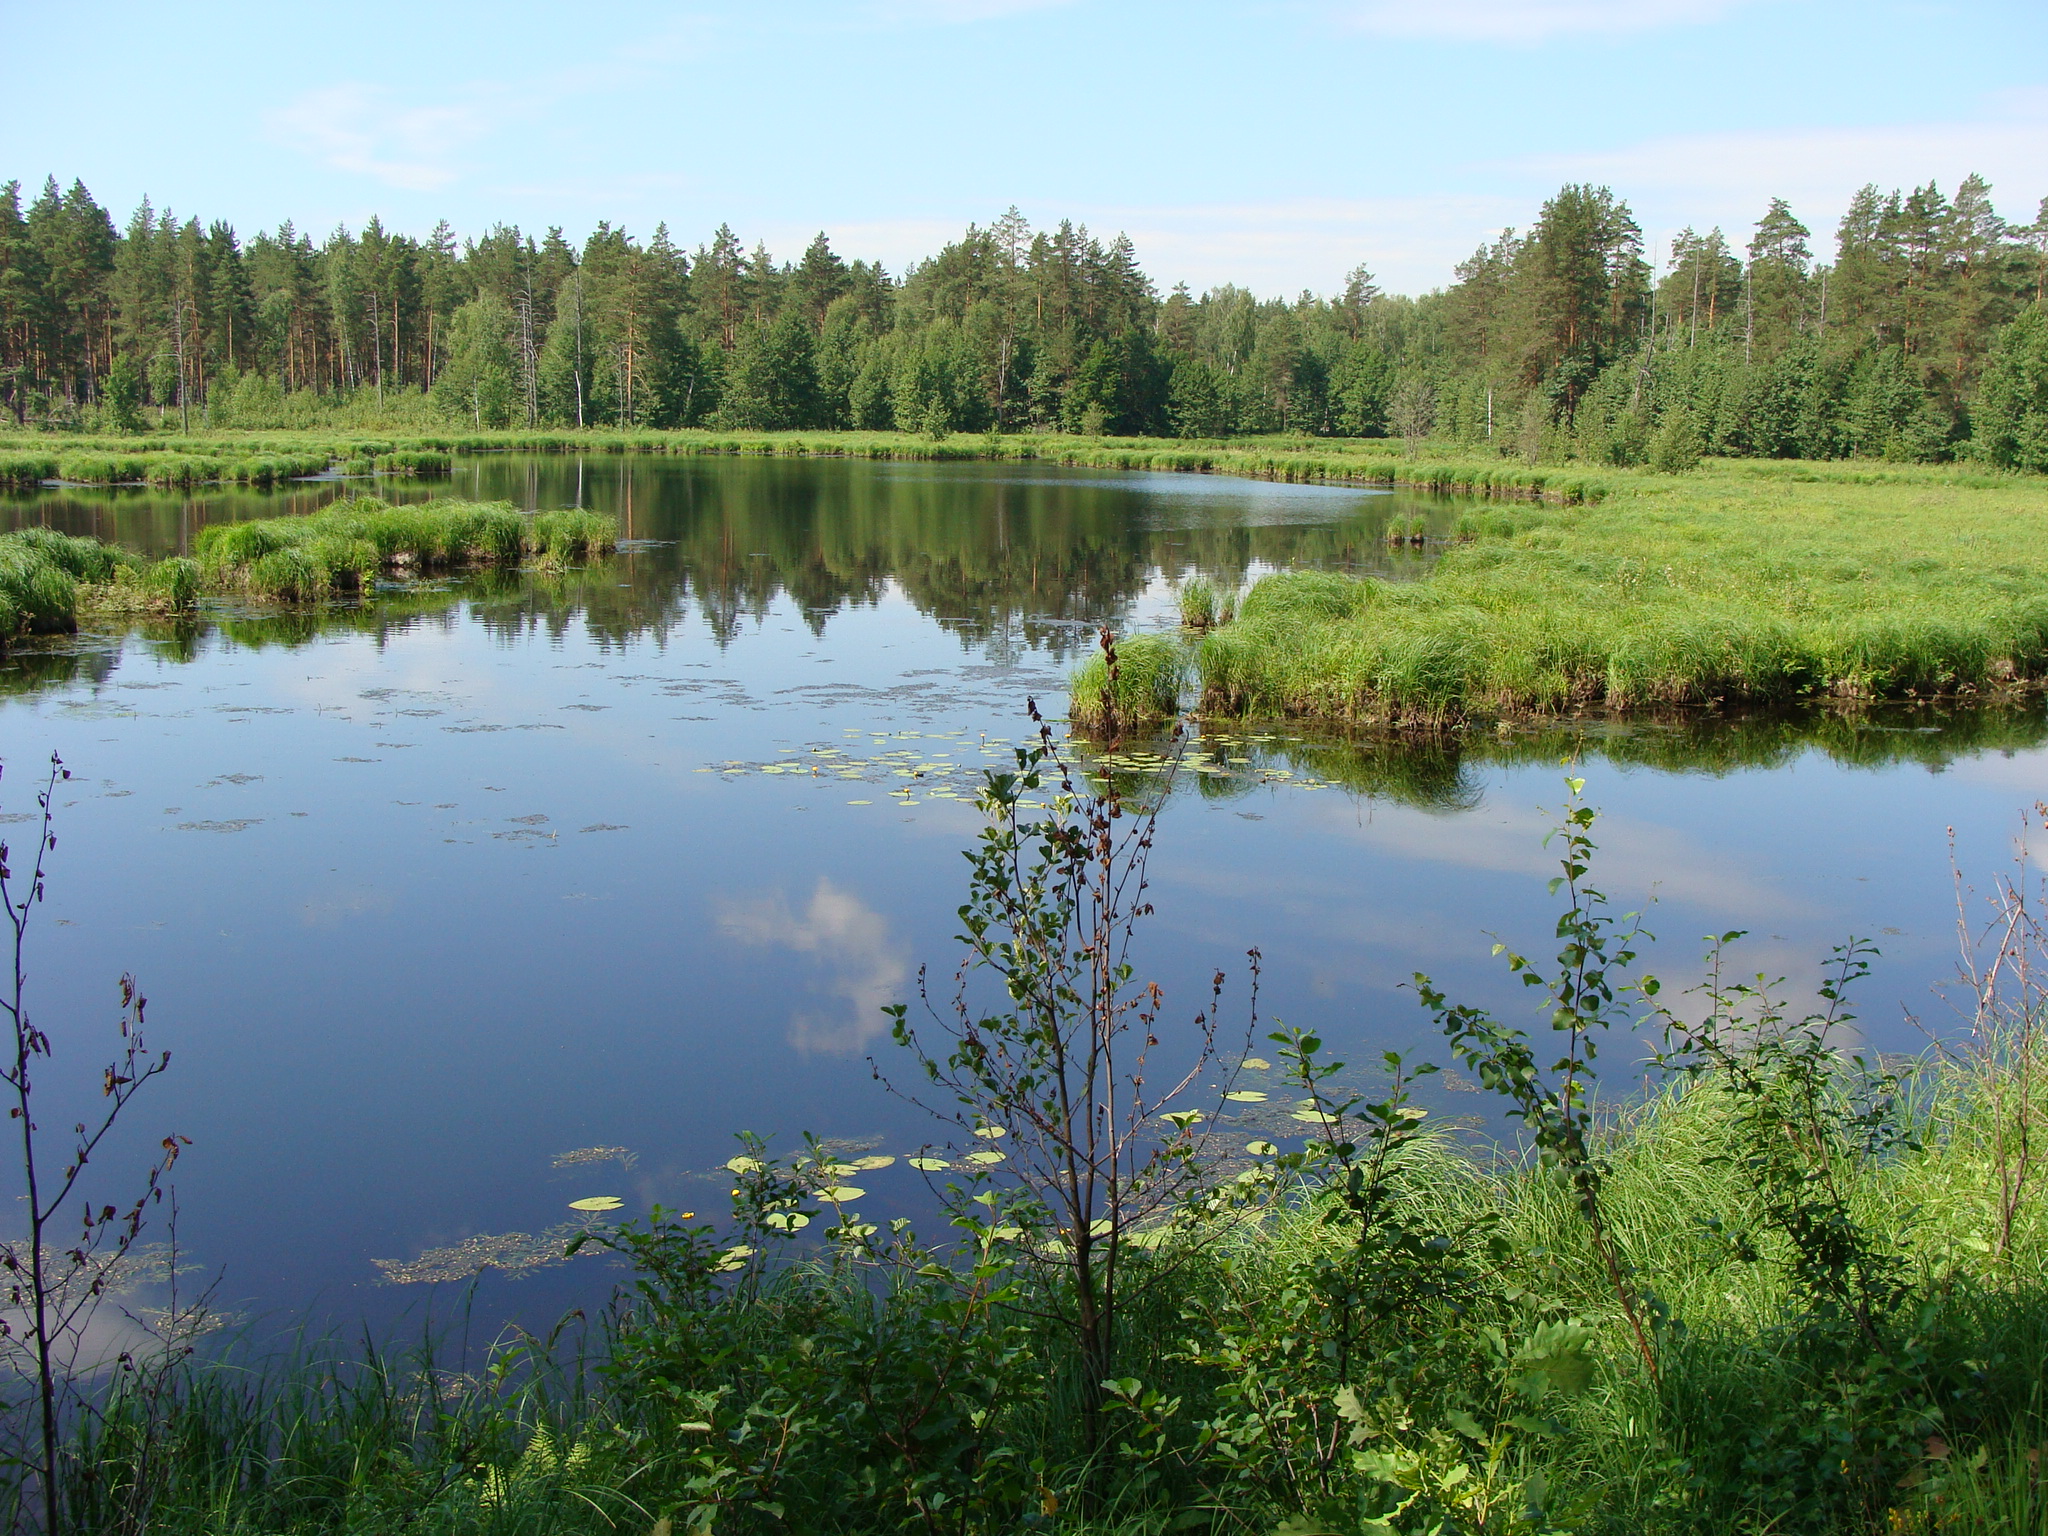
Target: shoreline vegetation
{"x": 1789, "y": 1292}
{"x": 1738, "y": 583}
{"x": 269, "y": 458}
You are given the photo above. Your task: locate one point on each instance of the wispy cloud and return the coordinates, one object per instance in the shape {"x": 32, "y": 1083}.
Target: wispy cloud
{"x": 849, "y": 940}
{"x": 358, "y": 128}
{"x": 1526, "y": 21}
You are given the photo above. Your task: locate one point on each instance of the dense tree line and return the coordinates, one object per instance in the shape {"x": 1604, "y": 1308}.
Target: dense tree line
{"x": 1923, "y": 337}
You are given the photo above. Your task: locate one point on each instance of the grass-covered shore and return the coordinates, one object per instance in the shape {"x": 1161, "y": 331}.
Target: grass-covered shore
{"x": 242, "y": 457}
{"x": 1742, "y": 584}
{"x": 1487, "y": 1384}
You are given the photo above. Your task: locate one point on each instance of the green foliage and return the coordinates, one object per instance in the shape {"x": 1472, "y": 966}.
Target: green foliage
{"x": 338, "y": 549}
{"x": 2012, "y": 412}
{"x": 1755, "y": 583}
{"x": 1378, "y": 1329}
{"x": 1135, "y": 680}
{"x": 123, "y": 394}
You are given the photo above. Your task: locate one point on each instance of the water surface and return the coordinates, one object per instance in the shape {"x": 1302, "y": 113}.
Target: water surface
{"x": 430, "y": 893}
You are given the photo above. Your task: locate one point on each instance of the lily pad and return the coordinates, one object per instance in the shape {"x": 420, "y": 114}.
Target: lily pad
{"x": 1255, "y": 1064}
{"x": 838, "y": 1194}
{"x": 876, "y": 1160}
{"x": 986, "y": 1157}
{"x": 597, "y": 1203}
{"x": 990, "y": 1132}
{"x": 743, "y": 1164}
{"x": 1245, "y": 1096}
{"x": 929, "y": 1164}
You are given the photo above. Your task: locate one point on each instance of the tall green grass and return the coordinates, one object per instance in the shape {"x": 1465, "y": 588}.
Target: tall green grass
{"x": 1724, "y": 588}
{"x": 350, "y": 543}
{"x": 1304, "y": 460}
{"x": 806, "y": 1359}
{"x": 1151, "y": 676}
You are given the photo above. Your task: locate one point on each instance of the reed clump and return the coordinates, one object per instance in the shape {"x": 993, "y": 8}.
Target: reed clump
{"x": 341, "y": 548}
{"x": 42, "y": 572}
{"x": 1137, "y": 680}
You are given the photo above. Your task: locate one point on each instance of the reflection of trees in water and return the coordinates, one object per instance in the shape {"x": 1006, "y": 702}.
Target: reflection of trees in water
{"x": 1007, "y": 560}
{"x": 1003, "y": 564}
{"x": 30, "y": 668}
{"x": 159, "y": 523}
{"x": 1446, "y": 771}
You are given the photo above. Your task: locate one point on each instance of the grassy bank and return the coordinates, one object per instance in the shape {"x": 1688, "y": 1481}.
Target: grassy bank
{"x": 48, "y": 579}
{"x": 1357, "y": 461}
{"x": 1758, "y": 583}
{"x": 803, "y": 1389}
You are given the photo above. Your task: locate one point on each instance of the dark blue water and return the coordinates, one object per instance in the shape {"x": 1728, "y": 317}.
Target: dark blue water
{"x": 430, "y": 895}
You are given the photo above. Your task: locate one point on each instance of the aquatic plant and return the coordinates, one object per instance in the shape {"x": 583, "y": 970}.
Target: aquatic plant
{"x": 1128, "y": 682}
{"x": 345, "y": 545}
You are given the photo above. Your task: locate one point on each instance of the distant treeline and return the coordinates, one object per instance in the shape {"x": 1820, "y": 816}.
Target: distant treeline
{"x": 1924, "y": 337}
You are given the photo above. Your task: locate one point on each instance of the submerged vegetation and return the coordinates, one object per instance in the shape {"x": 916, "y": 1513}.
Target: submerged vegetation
{"x": 1791, "y": 1291}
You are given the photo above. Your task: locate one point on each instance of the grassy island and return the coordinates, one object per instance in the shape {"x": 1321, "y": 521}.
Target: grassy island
{"x": 48, "y": 579}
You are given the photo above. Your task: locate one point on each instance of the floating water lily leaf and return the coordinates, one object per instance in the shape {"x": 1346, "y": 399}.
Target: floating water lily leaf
{"x": 1260, "y": 1148}
{"x": 875, "y": 1160}
{"x": 786, "y": 1221}
{"x": 991, "y": 1132}
{"x": 840, "y": 1193}
{"x": 986, "y": 1157}
{"x": 929, "y": 1164}
{"x": 597, "y": 1203}
{"x": 1309, "y": 1116}
{"x": 743, "y": 1164}
{"x": 841, "y": 1170}
{"x": 1245, "y": 1096}
{"x": 1255, "y": 1064}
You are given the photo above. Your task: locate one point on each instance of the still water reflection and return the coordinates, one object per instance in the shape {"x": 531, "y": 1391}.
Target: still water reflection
{"x": 483, "y": 898}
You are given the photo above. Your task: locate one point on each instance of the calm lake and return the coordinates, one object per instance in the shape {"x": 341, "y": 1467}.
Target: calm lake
{"x": 475, "y": 901}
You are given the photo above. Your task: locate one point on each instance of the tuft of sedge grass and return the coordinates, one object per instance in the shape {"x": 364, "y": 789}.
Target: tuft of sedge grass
{"x": 1151, "y": 674}
{"x": 342, "y": 547}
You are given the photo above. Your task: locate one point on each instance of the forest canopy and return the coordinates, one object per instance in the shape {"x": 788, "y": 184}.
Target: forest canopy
{"x": 1923, "y": 334}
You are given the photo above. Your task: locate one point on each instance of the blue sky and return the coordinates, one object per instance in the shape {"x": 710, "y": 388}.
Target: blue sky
{"x": 1273, "y": 144}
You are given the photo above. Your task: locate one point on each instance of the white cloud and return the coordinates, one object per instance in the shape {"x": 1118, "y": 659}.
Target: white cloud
{"x": 850, "y": 940}
{"x": 358, "y": 128}
{"x": 1526, "y": 21}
